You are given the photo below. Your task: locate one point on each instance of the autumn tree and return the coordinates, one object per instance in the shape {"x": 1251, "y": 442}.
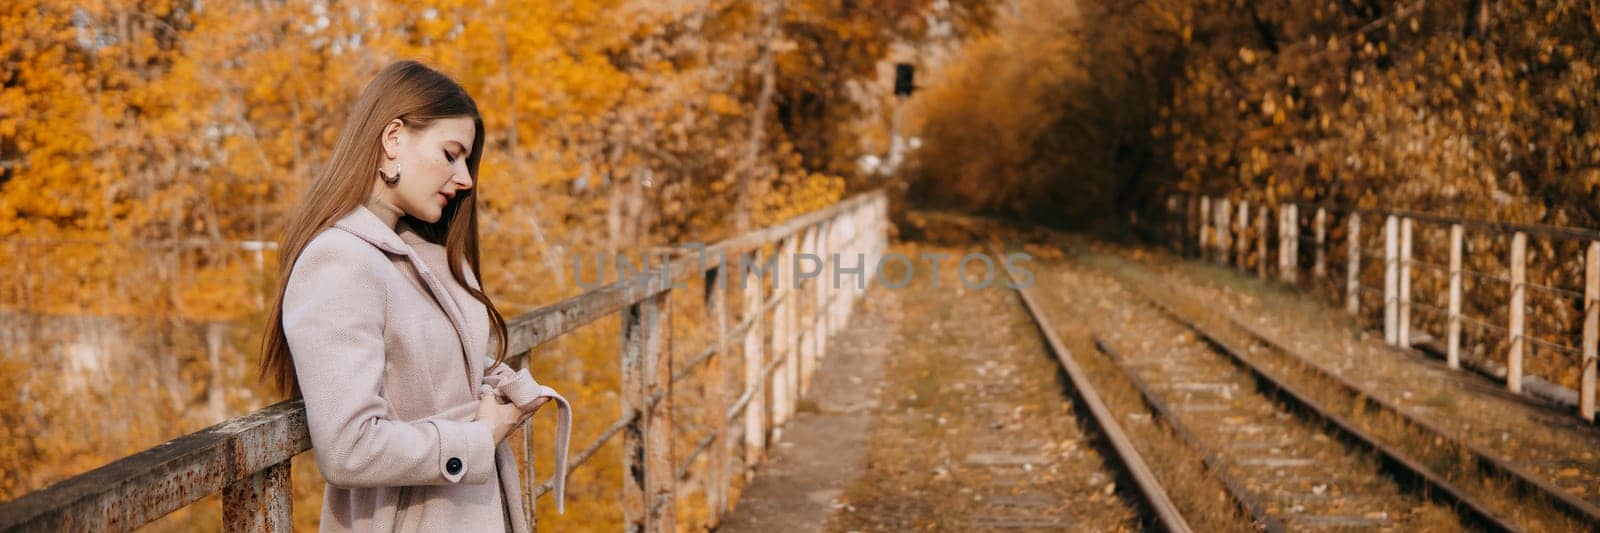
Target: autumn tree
{"x": 150, "y": 150}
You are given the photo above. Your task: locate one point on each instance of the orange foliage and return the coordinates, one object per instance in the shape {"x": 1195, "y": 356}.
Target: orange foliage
{"x": 149, "y": 150}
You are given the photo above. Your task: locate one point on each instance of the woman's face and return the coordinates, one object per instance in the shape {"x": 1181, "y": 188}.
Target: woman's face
{"x": 432, "y": 162}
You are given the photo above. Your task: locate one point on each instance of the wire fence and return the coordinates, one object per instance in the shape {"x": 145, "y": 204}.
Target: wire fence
{"x": 1517, "y": 290}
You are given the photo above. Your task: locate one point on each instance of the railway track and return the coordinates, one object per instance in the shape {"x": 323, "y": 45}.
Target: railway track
{"x": 1500, "y": 487}
{"x": 1298, "y": 466}
{"x": 1144, "y": 484}
{"x": 1287, "y": 472}
{"x": 1287, "y": 461}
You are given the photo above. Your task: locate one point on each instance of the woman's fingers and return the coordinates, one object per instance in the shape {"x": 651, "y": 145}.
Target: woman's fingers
{"x": 506, "y": 417}
{"x": 511, "y": 416}
{"x": 485, "y": 402}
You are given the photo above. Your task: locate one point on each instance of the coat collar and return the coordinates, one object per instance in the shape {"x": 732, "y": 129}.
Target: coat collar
{"x": 362, "y": 223}
{"x": 365, "y": 225}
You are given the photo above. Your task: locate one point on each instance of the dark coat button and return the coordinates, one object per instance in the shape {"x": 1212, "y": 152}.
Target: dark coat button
{"x": 453, "y": 466}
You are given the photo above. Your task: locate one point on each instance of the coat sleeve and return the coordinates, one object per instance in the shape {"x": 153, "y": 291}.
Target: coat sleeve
{"x": 498, "y": 373}
{"x": 333, "y": 318}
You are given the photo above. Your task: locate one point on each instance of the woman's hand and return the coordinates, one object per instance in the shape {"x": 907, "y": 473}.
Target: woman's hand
{"x": 501, "y": 417}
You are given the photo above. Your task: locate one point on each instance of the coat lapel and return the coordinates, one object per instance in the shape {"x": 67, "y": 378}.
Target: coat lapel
{"x": 436, "y": 264}
{"x": 362, "y": 223}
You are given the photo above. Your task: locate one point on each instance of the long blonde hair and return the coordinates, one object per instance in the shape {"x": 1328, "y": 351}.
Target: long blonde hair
{"x": 417, "y": 95}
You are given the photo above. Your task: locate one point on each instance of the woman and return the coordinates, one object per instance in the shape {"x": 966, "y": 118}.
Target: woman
{"x": 407, "y": 412}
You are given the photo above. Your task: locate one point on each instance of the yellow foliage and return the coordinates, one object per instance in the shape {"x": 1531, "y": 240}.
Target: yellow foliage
{"x": 150, "y": 151}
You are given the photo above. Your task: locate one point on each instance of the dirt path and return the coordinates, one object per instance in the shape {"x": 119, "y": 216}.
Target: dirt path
{"x": 939, "y": 410}
{"x": 821, "y": 450}
{"x": 973, "y": 429}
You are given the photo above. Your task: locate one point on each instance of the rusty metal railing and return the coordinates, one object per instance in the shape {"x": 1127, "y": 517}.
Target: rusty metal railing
{"x": 783, "y": 327}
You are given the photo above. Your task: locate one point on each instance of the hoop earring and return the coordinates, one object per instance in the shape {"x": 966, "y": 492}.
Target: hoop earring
{"x": 390, "y": 179}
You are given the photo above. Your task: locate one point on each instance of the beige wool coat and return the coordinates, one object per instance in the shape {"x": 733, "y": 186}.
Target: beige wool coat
{"x": 390, "y": 353}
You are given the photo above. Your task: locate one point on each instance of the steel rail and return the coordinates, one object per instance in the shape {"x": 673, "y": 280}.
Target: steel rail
{"x": 1396, "y": 459}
